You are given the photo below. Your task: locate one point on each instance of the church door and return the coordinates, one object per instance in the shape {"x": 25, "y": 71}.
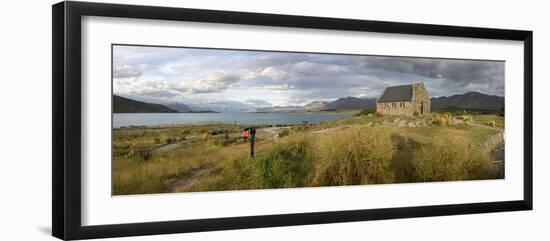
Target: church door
{"x": 421, "y": 107}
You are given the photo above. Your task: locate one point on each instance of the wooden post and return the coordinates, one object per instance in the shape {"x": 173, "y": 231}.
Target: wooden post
{"x": 252, "y": 148}
{"x": 252, "y": 138}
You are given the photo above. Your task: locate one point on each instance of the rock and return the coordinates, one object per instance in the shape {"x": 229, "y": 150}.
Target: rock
{"x": 369, "y": 115}
{"x": 402, "y": 123}
{"x": 411, "y": 124}
{"x": 369, "y": 124}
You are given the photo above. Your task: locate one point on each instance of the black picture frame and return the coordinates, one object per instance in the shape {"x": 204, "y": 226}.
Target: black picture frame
{"x": 66, "y": 127}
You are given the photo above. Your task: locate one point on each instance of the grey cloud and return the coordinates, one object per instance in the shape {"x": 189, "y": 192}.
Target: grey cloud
{"x": 214, "y": 81}
{"x": 468, "y": 74}
{"x": 258, "y": 103}
{"x": 278, "y": 87}
{"x": 151, "y": 90}
{"x": 125, "y": 71}
{"x": 265, "y": 59}
{"x": 297, "y": 77}
{"x": 275, "y": 73}
{"x": 314, "y": 69}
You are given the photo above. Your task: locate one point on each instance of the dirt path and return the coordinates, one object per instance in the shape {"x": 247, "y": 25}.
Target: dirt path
{"x": 172, "y": 146}
{"x": 168, "y": 147}
{"x": 267, "y": 133}
{"x": 483, "y": 126}
{"x": 189, "y": 179}
{"x": 271, "y": 132}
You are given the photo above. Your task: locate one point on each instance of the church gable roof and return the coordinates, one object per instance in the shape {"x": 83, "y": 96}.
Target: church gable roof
{"x": 397, "y": 93}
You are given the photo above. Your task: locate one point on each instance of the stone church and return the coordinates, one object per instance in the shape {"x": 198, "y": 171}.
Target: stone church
{"x": 404, "y": 100}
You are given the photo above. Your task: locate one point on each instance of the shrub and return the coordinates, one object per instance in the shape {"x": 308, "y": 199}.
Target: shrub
{"x": 443, "y": 120}
{"x": 298, "y": 128}
{"x": 218, "y": 142}
{"x": 145, "y": 155}
{"x": 354, "y": 156}
{"x": 448, "y": 119}
{"x": 440, "y": 121}
{"x": 225, "y": 141}
{"x": 217, "y": 132}
{"x": 157, "y": 140}
{"x": 451, "y": 158}
{"x": 284, "y": 133}
{"x": 466, "y": 119}
{"x": 366, "y": 112}
{"x": 131, "y": 151}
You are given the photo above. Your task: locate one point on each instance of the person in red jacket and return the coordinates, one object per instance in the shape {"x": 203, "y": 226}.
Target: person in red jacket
{"x": 245, "y": 135}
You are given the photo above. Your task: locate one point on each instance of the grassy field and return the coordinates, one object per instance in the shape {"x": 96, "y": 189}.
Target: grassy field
{"x": 364, "y": 149}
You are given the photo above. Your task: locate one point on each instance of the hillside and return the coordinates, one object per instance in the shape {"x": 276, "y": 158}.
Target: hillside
{"x": 351, "y": 103}
{"x": 470, "y": 100}
{"x": 179, "y": 107}
{"x": 347, "y": 103}
{"x": 125, "y": 105}
{"x": 315, "y": 106}
{"x": 284, "y": 109}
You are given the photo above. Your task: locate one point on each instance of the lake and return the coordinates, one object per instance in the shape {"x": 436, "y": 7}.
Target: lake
{"x": 157, "y": 119}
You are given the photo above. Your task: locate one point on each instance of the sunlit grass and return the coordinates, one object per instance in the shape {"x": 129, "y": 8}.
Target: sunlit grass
{"x": 342, "y": 152}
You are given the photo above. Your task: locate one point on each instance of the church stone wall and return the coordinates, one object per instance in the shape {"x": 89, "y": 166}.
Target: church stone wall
{"x": 420, "y": 103}
{"x": 395, "y": 108}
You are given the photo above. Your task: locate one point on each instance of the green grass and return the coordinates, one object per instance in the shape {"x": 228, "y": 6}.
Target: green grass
{"x": 287, "y": 164}
{"x": 484, "y": 120}
{"x": 342, "y": 152}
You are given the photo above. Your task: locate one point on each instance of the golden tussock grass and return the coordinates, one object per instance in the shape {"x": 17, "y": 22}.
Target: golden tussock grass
{"x": 451, "y": 157}
{"x": 303, "y": 157}
{"x": 356, "y": 155}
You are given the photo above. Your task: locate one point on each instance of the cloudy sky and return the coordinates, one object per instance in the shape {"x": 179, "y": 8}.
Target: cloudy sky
{"x": 261, "y": 78}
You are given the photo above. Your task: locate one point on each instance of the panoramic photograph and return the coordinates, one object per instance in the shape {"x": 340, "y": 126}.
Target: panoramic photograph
{"x": 201, "y": 119}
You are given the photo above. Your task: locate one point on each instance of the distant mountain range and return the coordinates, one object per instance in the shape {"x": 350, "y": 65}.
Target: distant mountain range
{"x": 219, "y": 106}
{"x": 183, "y": 108}
{"x": 469, "y": 100}
{"x": 277, "y": 109}
{"x": 315, "y": 106}
{"x": 125, "y": 105}
{"x": 347, "y": 103}
{"x": 351, "y": 103}
{"x": 180, "y": 107}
